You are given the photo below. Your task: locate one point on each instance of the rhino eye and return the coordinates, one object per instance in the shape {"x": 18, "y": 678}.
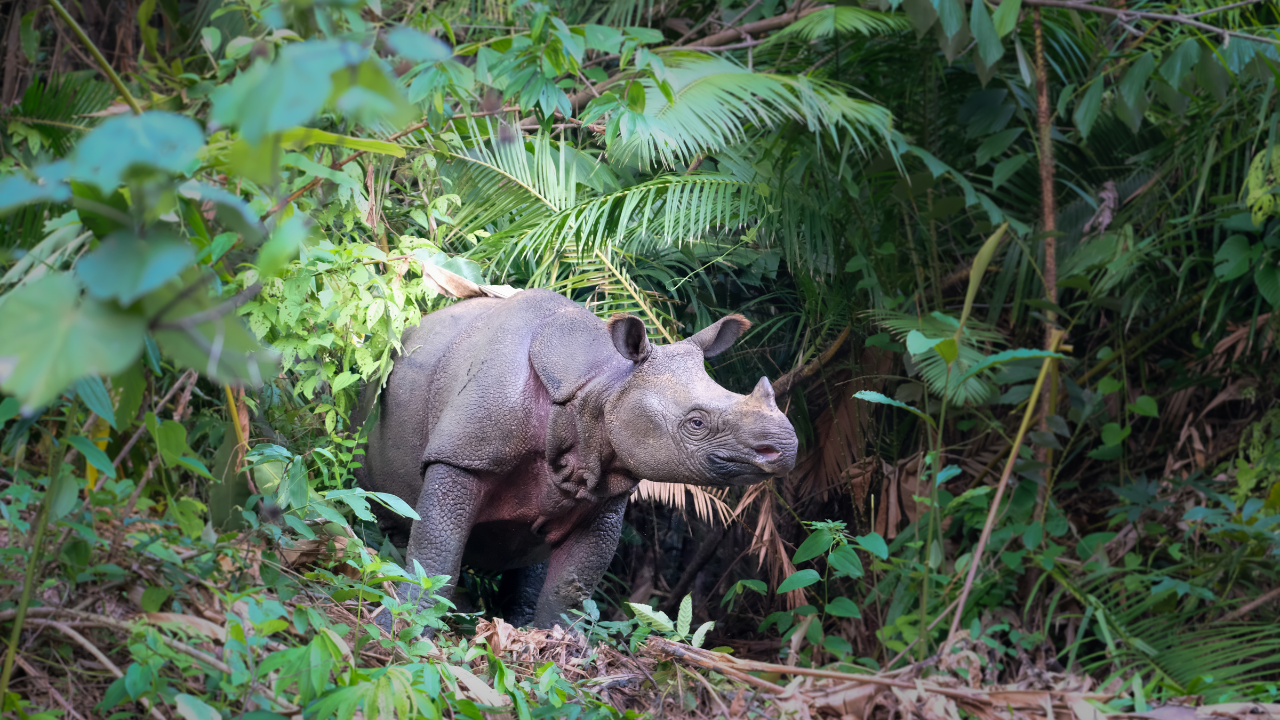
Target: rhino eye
{"x": 696, "y": 426}
{"x": 697, "y": 423}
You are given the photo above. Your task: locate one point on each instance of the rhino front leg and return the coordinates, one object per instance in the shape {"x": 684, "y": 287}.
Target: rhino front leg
{"x": 519, "y": 591}
{"x": 579, "y": 562}
{"x": 447, "y": 508}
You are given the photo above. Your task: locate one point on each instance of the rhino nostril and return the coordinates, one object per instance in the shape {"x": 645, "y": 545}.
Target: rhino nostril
{"x": 768, "y": 452}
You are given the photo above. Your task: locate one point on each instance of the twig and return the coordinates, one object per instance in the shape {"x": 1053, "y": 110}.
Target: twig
{"x": 1224, "y": 8}
{"x": 133, "y": 501}
{"x": 93, "y": 650}
{"x": 103, "y": 65}
{"x": 1144, "y": 15}
{"x": 989, "y": 525}
{"x": 1249, "y": 606}
{"x": 212, "y": 313}
{"x": 721, "y": 48}
{"x": 48, "y": 686}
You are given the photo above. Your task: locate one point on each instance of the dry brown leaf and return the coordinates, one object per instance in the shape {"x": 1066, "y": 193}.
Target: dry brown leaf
{"x": 194, "y": 624}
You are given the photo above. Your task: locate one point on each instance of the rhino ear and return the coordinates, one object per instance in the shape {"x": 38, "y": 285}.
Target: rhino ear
{"x": 630, "y": 337}
{"x": 717, "y": 337}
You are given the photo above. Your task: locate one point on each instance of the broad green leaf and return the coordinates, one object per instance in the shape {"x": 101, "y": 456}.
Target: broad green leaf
{"x": 816, "y": 544}
{"x": 125, "y": 267}
{"x": 873, "y": 544}
{"x": 301, "y": 137}
{"x": 9, "y": 408}
{"x": 990, "y": 49}
{"x": 1087, "y": 109}
{"x": 1181, "y": 61}
{"x": 799, "y": 579}
{"x": 93, "y": 455}
{"x": 843, "y": 607}
{"x": 417, "y": 46}
{"x": 837, "y": 645}
{"x": 1033, "y": 535}
{"x": 1134, "y": 84}
{"x": 1267, "y": 277}
{"x": 948, "y": 349}
{"x": 125, "y": 145}
{"x": 875, "y": 397}
{"x": 995, "y": 145}
{"x": 66, "y": 496}
{"x": 1005, "y": 18}
{"x": 655, "y": 619}
{"x": 701, "y": 633}
{"x": 1232, "y": 258}
{"x": 1145, "y": 405}
{"x": 299, "y": 527}
{"x": 1007, "y": 168}
{"x": 684, "y": 618}
{"x": 396, "y": 505}
{"x": 284, "y": 245}
{"x": 292, "y": 492}
{"x": 170, "y": 437}
{"x": 947, "y": 473}
{"x": 153, "y": 598}
{"x": 23, "y": 187}
{"x": 1001, "y": 358}
{"x": 93, "y": 392}
{"x": 845, "y": 561}
{"x": 1108, "y": 385}
{"x": 636, "y": 97}
{"x": 211, "y": 39}
{"x": 1113, "y": 434}
{"x": 52, "y": 338}
{"x": 194, "y": 465}
{"x": 951, "y": 13}
{"x": 918, "y": 344}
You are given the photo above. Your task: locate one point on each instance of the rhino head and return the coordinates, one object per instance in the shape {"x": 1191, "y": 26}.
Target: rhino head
{"x": 670, "y": 422}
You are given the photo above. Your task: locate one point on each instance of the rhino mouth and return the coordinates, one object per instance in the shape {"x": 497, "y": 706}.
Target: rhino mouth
{"x": 757, "y": 467}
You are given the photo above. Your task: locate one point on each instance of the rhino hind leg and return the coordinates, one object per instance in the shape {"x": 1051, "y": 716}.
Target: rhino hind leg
{"x": 518, "y": 593}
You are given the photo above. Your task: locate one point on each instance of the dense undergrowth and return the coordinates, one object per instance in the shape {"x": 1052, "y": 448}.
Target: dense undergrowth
{"x": 1040, "y": 437}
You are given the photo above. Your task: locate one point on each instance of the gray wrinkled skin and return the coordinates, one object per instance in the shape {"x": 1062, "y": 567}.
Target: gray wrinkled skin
{"x": 518, "y": 428}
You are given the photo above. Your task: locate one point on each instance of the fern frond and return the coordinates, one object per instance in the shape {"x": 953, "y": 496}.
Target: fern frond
{"x": 716, "y": 101}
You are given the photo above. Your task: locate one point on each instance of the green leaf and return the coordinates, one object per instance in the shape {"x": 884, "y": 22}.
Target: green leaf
{"x": 873, "y": 544}
{"x": 1134, "y": 85}
{"x": 24, "y": 187}
{"x": 655, "y": 619}
{"x": 951, "y": 13}
{"x": 125, "y": 267}
{"x": 1181, "y": 62}
{"x": 301, "y": 137}
{"x": 816, "y": 544}
{"x": 799, "y": 579}
{"x": 1001, "y": 358}
{"x": 635, "y": 97}
{"x": 701, "y": 633}
{"x": 1233, "y": 258}
{"x": 417, "y": 46}
{"x": 153, "y": 598}
{"x": 843, "y": 607}
{"x": 66, "y": 496}
{"x": 990, "y": 49}
{"x": 52, "y": 338}
{"x": 948, "y": 349}
{"x": 93, "y": 455}
{"x": 1267, "y": 277}
{"x": 995, "y": 145}
{"x": 1145, "y": 405}
{"x": 129, "y": 146}
{"x": 1108, "y": 385}
{"x": 170, "y": 437}
{"x": 1005, "y": 17}
{"x": 194, "y": 465}
{"x": 284, "y": 245}
{"x": 845, "y": 561}
{"x": 947, "y": 473}
{"x": 685, "y": 617}
{"x": 9, "y": 408}
{"x": 292, "y": 492}
{"x": 1087, "y": 109}
{"x": 1007, "y": 168}
{"x": 299, "y": 527}
{"x": 603, "y": 38}
{"x": 396, "y": 505}
{"x": 875, "y": 397}
{"x": 1113, "y": 434}
{"x": 1033, "y": 535}
{"x": 93, "y": 392}
{"x": 29, "y": 36}
{"x": 918, "y": 344}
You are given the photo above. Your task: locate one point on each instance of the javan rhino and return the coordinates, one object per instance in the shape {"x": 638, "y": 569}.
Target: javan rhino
{"x": 517, "y": 428}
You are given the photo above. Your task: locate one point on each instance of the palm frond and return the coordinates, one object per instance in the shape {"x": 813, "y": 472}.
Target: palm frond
{"x": 706, "y": 505}
{"x": 715, "y": 101}
{"x": 944, "y": 381}
{"x": 57, "y": 107}
{"x": 841, "y": 21}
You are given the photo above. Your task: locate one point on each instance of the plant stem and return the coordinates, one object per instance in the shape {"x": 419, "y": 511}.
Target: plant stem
{"x": 103, "y": 65}
{"x": 56, "y": 456}
{"x": 989, "y": 525}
